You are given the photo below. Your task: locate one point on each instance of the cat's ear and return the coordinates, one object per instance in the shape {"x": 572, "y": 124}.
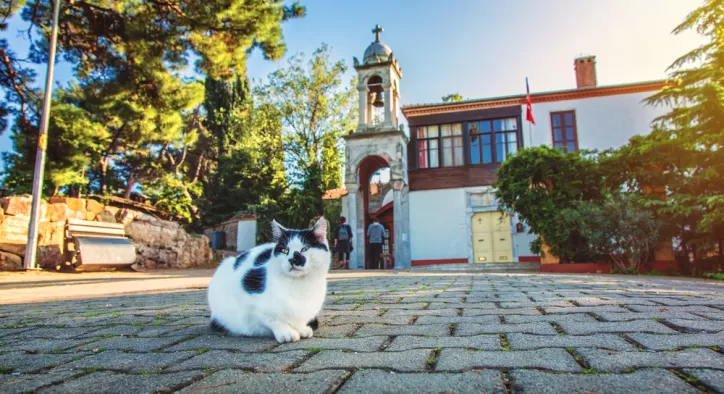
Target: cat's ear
{"x": 277, "y": 230}
{"x": 320, "y": 230}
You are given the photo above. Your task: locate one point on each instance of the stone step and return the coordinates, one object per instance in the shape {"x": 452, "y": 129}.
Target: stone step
{"x": 482, "y": 267}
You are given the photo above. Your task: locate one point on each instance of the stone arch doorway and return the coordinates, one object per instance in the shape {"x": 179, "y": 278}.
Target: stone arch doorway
{"x": 376, "y": 189}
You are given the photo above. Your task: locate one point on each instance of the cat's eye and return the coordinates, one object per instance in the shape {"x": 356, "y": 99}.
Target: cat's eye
{"x": 305, "y": 249}
{"x": 285, "y": 251}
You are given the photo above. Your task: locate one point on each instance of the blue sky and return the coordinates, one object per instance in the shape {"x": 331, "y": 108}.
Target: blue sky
{"x": 482, "y": 48}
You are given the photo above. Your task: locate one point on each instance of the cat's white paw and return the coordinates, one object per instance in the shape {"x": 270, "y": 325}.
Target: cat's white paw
{"x": 286, "y": 334}
{"x": 306, "y": 332}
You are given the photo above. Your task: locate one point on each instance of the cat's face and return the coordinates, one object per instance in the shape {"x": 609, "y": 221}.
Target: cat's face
{"x": 299, "y": 252}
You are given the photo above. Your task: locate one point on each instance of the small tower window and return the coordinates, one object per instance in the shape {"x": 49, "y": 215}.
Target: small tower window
{"x": 376, "y": 100}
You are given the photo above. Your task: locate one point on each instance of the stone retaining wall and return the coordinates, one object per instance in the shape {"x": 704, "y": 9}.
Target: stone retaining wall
{"x": 159, "y": 243}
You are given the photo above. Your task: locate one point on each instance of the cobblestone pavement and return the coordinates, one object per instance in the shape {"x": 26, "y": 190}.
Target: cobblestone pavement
{"x": 397, "y": 332}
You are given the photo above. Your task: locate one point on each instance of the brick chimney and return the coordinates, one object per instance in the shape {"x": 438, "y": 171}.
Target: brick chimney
{"x": 585, "y": 67}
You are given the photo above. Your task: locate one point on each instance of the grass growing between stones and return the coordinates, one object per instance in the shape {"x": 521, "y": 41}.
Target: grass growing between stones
{"x": 432, "y": 360}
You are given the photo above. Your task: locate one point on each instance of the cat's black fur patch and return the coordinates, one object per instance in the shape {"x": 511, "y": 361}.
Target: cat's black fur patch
{"x": 313, "y": 324}
{"x": 240, "y": 259}
{"x": 216, "y": 326}
{"x": 263, "y": 258}
{"x": 254, "y": 281}
{"x": 307, "y": 236}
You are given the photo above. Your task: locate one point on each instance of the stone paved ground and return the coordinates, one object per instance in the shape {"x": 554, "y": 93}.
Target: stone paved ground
{"x": 399, "y": 332}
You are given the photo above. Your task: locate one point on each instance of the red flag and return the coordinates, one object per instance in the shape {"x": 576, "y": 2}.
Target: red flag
{"x": 529, "y": 105}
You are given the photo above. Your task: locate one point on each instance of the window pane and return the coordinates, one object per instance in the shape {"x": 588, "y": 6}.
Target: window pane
{"x": 571, "y": 146}
{"x": 473, "y": 128}
{"x": 499, "y": 138}
{"x": 568, "y": 117}
{"x": 420, "y": 132}
{"x": 557, "y": 134}
{"x": 485, "y": 127}
{"x": 511, "y": 137}
{"x": 422, "y": 149}
{"x": 445, "y": 130}
{"x": 487, "y": 154}
{"x": 498, "y": 125}
{"x": 511, "y": 124}
{"x": 434, "y": 158}
{"x": 458, "y": 153}
{"x": 447, "y": 152}
{"x": 457, "y": 129}
{"x": 512, "y": 147}
{"x": 500, "y": 152}
{"x": 560, "y": 145}
{"x": 475, "y": 150}
{"x": 570, "y": 135}
{"x": 556, "y": 119}
{"x": 432, "y": 144}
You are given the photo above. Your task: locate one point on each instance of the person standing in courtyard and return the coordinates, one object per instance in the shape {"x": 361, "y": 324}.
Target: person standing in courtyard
{"x": 376, "y": 233}
{"x": 343, "y": 242}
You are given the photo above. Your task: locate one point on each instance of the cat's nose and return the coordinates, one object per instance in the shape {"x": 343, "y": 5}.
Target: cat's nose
{"x": 298, "y": 259}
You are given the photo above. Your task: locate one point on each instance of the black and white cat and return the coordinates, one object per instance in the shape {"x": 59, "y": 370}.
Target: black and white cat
{"x": 276, "y": 288}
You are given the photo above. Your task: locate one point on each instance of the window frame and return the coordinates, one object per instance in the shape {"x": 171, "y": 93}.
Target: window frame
{"x": 452, "y": 138}
{"x": 439, "y": 147}
{"x": 493, "y": 144}
{"x": 563, "y": 126}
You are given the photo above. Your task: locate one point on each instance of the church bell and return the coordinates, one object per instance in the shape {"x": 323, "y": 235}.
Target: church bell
{"x": 378, "y": 100}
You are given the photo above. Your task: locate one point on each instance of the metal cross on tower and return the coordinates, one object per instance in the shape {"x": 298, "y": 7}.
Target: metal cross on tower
{"x": 377, "y": 30}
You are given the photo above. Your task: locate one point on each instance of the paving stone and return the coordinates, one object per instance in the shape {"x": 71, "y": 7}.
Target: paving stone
{"x": 335, "y": 331}
{"x": 340, "y": 307}
{"x": 130, "y": 344}
{"x": 486, "y": 319}
{"x": 619, "y": 327}
{"x": 24, "y": 362}
{"x": 648, "y": 381}
{"x": 551, "y": 359}
{"x": 708, "y": 377}
{"x": 7, "y": 333}
{"x": 417, "y": 306}
{"x": 115, "y": 330}
{"x": 661, "y": 308}
{"x": 229, "y": 381}
{"x": 698, "y": 325}
{"x": 482, "y": 342}
{"x": 711, "y": 315}
{"x": 129, "y": 362}
{"x": 669, "y": 342}
{"x": 43, "y": 345}
{"x": 585, "y": 309}
{"x": 372, "y": 381}
{"x": 216, "y": 342}
{"x": 610, "y": 361}
{"x": 24, "y": 383}
{"x": 501, "y": 312}
{"x": 366, "y": 313}
{"x": 406, "y": 361}
{"x": 603, "y": 341}
{"x": 464, "y": 329}
{"x": 108, "y": 382}
{"x": 155, "y": 331}
{"x": 593, "y": 301}
{"x": 438, "y": 330}
{"x": 366, "y": 344}
{"x": 341, "y": 320}
{"x": 612, "y": 316}
{"x": 424, "y": 312}
{"x": 574, "y": 317}
{"x": 257, "y": 362}
{"x": 531, "y": 304}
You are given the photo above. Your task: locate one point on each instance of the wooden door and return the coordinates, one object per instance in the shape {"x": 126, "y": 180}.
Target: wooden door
{"x": 491, "y": 238}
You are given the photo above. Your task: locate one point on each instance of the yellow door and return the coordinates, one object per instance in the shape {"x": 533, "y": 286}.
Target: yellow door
{"x": 491, "y": 238}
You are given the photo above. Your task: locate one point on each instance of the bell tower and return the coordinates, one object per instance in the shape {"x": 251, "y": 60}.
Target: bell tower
{"x": 377, "y": 149}
{"x": 379, "y": 81}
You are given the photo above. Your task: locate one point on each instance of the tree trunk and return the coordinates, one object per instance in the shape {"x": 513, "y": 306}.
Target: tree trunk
{"x": 129, "y": 187}
{"x": 103, "y": 171}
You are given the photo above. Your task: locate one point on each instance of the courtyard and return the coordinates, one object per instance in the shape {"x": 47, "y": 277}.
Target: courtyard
{"x": 379, "y": 332}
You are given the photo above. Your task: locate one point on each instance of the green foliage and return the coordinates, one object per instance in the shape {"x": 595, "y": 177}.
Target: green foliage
{"x": 539, "y": 184}
{"x": 677, "y": 169}
{"x": 617, "y": 228}
{"x": 452, "y": 98}
{"x": 316, "y": 108}
{"x": 715, "y": 275}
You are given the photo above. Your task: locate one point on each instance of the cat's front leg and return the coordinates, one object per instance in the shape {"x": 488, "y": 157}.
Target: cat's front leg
{"x": 304, "y": 331}
{"x": 283, "y": 332}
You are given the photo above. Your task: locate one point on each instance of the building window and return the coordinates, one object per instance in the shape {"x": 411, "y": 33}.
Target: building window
{"x": 565, "y": 135}
{"x": 452, "y": 144}
{"x": 504, "y": 133}
{"x": 427, "y": 147}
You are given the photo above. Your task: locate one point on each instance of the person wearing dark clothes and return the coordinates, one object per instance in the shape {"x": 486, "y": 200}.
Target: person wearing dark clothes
{"x": 343, "y": 242}
{"x": 376, "y": 233}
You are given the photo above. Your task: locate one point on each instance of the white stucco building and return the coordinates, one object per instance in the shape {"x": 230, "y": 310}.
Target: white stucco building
{"x": 443, "y": 208}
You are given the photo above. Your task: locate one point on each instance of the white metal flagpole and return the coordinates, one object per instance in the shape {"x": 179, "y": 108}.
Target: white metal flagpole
{"x": 32, "y": 245}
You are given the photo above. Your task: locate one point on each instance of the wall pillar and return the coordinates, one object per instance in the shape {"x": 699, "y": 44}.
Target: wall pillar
{"x": 401, "y": 214}
{"x": 362, "y": 123}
